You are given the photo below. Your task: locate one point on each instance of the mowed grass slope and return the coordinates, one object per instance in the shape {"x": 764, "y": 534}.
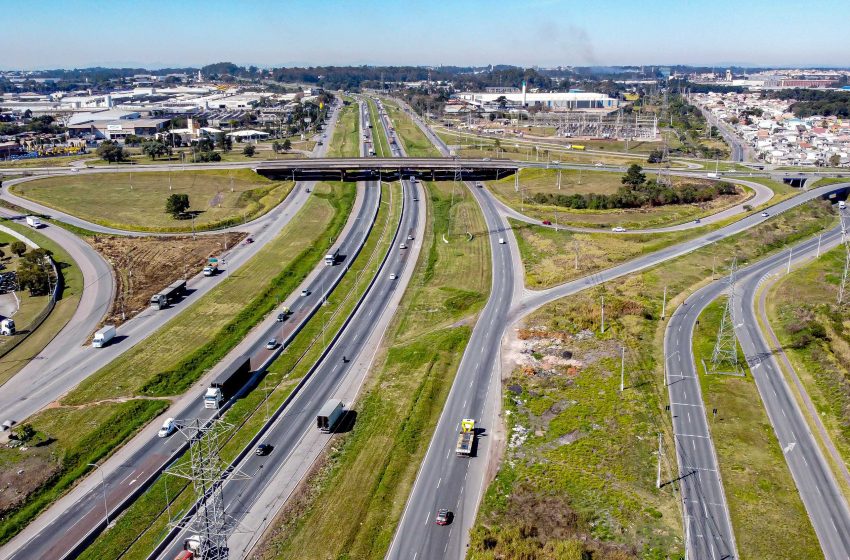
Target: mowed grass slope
{"x": 416, "y": 144}
{"x": 353, "y": 505}
{"x": 95, "y": 418}
{"x": 137, "y": 200}
{"x": 768, "y": 516}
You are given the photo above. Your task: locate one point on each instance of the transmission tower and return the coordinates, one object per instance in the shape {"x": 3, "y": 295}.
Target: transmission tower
{"x": 664, "y": 172}
{"x": 725, "y": 352}
{"x": 205, "y": 470}
{"x": 842, "y": 289}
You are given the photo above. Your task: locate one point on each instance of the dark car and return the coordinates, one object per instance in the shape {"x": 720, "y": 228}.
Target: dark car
{"x": 249, "y": 240}
{"x": 263, "y": 449}
{"x": 444, "y": 517}
{"x": 547, "y": 223}
{"x": 281, "y": 317}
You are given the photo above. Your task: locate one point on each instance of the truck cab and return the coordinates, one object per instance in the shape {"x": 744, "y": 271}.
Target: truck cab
{"x": 7, "y": 327}
{"x": 213, "y": 397}
{"x": 466, "y": 438}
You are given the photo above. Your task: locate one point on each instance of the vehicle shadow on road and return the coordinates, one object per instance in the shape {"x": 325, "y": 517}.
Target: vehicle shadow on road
{"x": 346, "y": 423}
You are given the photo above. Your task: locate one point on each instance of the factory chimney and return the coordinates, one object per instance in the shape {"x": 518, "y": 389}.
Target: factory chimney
{"x": 524, "y": 104}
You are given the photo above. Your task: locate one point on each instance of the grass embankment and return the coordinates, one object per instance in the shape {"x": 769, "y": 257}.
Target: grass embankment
{"x": 815, "y": 334}
{"x": 578, "y": 449}
{"x": 346, "y": 138}
{"x": 573, "y": 181}
{"x": 137, "y": 200}
{"x": 416, "y": 144}
{"x": 145, "y": 522}
{"x": 379, "y": 139}
{"x": 374, "y": 466}
{"x": 768, "y": 516}
{"x": 63, "y": 311}
{"x": 172, "y": 359}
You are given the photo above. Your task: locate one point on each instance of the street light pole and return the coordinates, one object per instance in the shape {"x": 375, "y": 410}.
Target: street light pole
{"x": 103, "y": 486}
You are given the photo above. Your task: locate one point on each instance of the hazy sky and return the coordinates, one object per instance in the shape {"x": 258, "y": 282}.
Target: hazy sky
{"x": 156, "y": 33}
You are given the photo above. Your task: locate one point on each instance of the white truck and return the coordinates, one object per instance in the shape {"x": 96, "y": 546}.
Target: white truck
{"x": 329, "y": 415}
{"x": 33, "y": 222}
{"x": 191, "y": 548}
{"x": 330, "y": 258}
{"x": 103, "y": 336}
{"x": 7, "y": 327}
{"x": 842, "y": 205}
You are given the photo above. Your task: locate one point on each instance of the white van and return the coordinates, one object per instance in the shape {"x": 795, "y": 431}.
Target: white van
{"x": 168, "y": 428}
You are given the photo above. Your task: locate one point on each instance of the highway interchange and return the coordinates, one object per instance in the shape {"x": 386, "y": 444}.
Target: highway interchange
{"x": 443, "y": 481}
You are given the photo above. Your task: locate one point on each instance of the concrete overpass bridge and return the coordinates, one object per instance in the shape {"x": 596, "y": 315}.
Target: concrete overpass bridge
{"x": 387, "y": 169}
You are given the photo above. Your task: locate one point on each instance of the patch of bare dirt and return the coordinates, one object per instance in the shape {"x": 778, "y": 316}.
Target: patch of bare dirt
{"x": 26, "y": 475}
{"x": 145, "y": 265}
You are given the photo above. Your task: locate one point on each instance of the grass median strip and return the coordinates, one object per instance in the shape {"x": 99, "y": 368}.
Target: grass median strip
{"x": 174, "y": 357}
{"x": 768, "y": 516}
{"x": 345, "y": 141}
{"x": 374, "y": 466}
{"x": 416, "y": 144}
{"x": 379, "y": 139}
{"x": 218, "y": 198}
{"x": 145, "y": 523}
{"x": 579, "y": 449}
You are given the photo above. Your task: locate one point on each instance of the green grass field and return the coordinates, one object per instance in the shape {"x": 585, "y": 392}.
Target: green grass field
{"x": 170, "y": 360}
{"x": 768, "y": 516}
{"x": 582, "y": 449}
{"x": 802, "y": 309}
{"x": 346, "y": 138}
{"x": 137, "y": 200}
{"x": 145, "y": 521}
{"x": 375, "y": 465}
{"x": 416, "y": 144}
{"x": 599, "y": 182}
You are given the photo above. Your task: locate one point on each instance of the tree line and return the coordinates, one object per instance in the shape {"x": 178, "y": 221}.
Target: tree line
{"x": 638, "y": 192}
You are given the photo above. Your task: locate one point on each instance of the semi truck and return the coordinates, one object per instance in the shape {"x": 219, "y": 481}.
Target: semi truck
{"x": 7, "y": 327}
{"x": 103, "y": 336}
{"x": 191, "y": 548}
{"x": 228, "y": 382}
{"x": 212, "y": 267}
{"x": 169, "y": 295}
{"x": 33, "y": 222}
{"x": 330, "y": 415}
{"x": 466, "y": 438}
{"x": 330, "y": 258}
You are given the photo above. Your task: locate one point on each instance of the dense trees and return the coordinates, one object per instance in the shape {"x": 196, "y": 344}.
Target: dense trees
{"x": 111, "y": 152}
{"x": 34, "y": 271}
{"x": 249, "y": 150}
{"x": 820, "y": 102}
{"x": 155, "y": 149}
{"x": 638, "y": 192}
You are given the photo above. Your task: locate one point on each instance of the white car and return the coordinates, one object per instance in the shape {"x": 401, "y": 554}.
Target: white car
{"x": 598, "y": 164}
{"x": 618, "y": 229}
{"x": 167, "y": 429}
{"x": 764, "y": 214}
{"x": 403, "y": 246}
{"x": 271, "y": 344}
{"x": 501, "y": 241}
{"x": 305, "y": 293}
{"x": 410, "y": 238}
{"x": 393, "y": 276}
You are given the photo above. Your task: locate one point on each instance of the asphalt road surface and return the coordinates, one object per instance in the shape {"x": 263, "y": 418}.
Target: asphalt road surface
{"x": 85, "y": 515}
{"x": 298, "y": 418}
{"x": 67, "y": 359}
{"x": 815, "y": 481}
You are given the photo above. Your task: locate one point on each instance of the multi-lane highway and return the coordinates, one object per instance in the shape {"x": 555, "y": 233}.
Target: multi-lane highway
{"x": 288, "y": 433}
{"x": 815, "y": 481}
{"x": 417, "y": 535}
{"x": 66, "y": 361}
{"x": 80, "y": 512}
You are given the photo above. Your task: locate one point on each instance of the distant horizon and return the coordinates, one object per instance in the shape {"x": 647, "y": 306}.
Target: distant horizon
{"x": 178, "y": 66}
{"x": 547, "y": 33}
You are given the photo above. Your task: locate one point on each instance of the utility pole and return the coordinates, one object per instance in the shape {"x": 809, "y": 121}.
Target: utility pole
{"x": 664, "y": 305}
{"x": 575, "y": 250}
{"x": 788, "y": 268}
{"x": 819, "y": 240}
{"x": 658, "y": 476}
{"x": 622, "y": 369}
{"x": 603, "y": 314}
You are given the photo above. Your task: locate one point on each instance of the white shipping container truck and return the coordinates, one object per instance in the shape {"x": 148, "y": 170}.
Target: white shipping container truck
{"x": 33, "y": 222}
{"x": 103, "y": 336}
